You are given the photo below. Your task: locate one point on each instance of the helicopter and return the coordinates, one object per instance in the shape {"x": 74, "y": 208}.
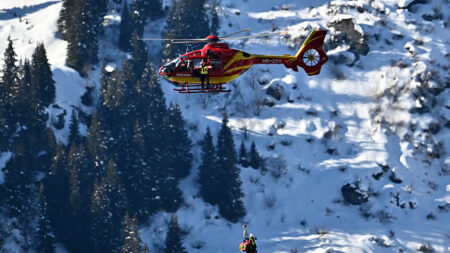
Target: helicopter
{"x": 226, "y": 64}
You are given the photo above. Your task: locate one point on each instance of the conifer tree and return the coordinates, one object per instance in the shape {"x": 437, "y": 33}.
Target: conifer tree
{"x": 179, "y": 143}
{"x": 45, "y": 237}
{"x": 174, "y": 237}
{"x": 125, "y": 30}
{"x": 74, "y": 133}
{"x": 255, "y": 159}
{"x": 10, "y": 74}
{"x": 96, "y": 145}
{"x": 138, "y": 16}
{"x": 78, "y": 51}
{"x": 154, "y": 9}
{"x": 66, "y": 18}
{"x": 79, "y": 201}
{"x": 8, "y": 95}
{"x": 243, "y": 155}
{"x": 107, "y": 209}
{"x": 26, "y": 95}
{"x": 57, "y": 193}
{"x": 140, "y": 55}
{"x": 208, "y": 172}
{"x": 131, "y": 243}
{"x": 186, "y": 19}
{"x": 231, "y": 206}
{"x": 81, "y": 22}
{"x": 42, "y": 80}
{"x": 19, "y": 191}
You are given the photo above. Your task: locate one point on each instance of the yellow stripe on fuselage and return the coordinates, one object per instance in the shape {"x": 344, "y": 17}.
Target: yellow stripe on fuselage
{"x": 196, "y": 80}
{"x": 238, "y": 68}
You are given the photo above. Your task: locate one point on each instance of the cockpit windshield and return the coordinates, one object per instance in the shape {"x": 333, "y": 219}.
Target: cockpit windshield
{"x": 172, "y": 65}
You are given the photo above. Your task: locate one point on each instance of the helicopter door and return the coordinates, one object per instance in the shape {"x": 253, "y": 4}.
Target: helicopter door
{"x": 196, "y": 70}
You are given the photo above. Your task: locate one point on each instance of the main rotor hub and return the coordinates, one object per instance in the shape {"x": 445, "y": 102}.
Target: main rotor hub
{"x": 212, "y": 39}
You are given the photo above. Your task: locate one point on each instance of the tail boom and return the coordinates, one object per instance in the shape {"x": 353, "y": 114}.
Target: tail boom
{"x": 310, "y": 57}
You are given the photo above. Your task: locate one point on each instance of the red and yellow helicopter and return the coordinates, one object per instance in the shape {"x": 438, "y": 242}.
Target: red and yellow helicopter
{"x": 226, "y": 64}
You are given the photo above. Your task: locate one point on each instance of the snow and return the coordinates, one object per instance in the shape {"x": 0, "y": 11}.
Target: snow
{"x": 299, "y": 206}
{"x": 4, "y": 158}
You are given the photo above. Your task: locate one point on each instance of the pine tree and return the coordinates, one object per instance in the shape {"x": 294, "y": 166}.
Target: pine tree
{"x": 107, "y": 209}
{"x": 140, "y": 55}
{"x": 74, "y": 133}
{"x": 208, "y": 171}
{"x": 243, "y": 156}
{"x": 18, "y": 201}
{"x": 186, "y": 19}
{"x": 174, "y": 237}
{"x": 255, "y": 159}
{"x": 66, "y": 18}
{"x": 154, "y": 9}
{"x": 79, "y": 38}
{"x": 8, "y": 95}
{"x": 80, "y": 178}
{"x": 231, "y": 206}
{"x": 81, "y": 24}
{"x": 45, "y": 237}
{"x": 138, "y": 16}
{"x": 10, "y": 80}
{"x": 130, "y": 235}
{"x": 179, "y": 143}
{"x": 57, "y": 193}
{"x": 42, "y": 79}
{"x": 125, "y": 30}
{"x": 26, "y": 96}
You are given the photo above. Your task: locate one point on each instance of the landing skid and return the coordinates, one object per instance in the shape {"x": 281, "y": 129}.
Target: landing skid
{"x": 197, "y": 88}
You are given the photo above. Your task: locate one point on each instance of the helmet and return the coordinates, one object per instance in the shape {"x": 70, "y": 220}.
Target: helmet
{"x": 251, "y": 235}
{"x": 244, "y": 226}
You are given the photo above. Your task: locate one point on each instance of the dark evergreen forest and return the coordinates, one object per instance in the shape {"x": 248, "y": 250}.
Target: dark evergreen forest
{"x": 92, "y": 193}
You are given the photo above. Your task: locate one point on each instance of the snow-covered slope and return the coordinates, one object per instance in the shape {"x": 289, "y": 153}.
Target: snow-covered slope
{"x": 361, "y": 121}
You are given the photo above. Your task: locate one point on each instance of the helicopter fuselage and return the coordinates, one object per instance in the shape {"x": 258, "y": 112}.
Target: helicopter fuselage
{"x": 226, "y": 64}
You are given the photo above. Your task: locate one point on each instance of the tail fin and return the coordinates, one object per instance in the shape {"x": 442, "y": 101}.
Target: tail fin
{"x": 311, "y": 56}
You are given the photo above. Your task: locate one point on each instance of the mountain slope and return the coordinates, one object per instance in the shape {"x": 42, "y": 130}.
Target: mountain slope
{"x": 375, "y": 118}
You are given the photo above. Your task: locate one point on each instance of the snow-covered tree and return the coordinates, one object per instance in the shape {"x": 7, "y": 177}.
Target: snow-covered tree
{"x": 131, "y": 242}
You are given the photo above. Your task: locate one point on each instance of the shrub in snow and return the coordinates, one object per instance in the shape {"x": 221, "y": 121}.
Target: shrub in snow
{"x": 270, "y": 200}
{"x": 59, "y": 122}
{"x": 267, "y": 102}
{"x": 286, "y": 142}
{"x": 279, "y": 124}
{"x": 275, "y": 90}
{"x": 380, "y": 241}
{"x": 263, "y": 80}
{"x": 354, "y": 195}
{"x": 426, "y": 248}
{"x": 276, "y": 166}
{"x": 394, "y": 179}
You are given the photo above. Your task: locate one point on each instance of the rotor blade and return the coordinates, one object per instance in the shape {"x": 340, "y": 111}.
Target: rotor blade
{"x": 170, "y": 39}
{"x": 241, "y": 31}
{"x": 255, "y": 36}
{"x": 188, "y": 41}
